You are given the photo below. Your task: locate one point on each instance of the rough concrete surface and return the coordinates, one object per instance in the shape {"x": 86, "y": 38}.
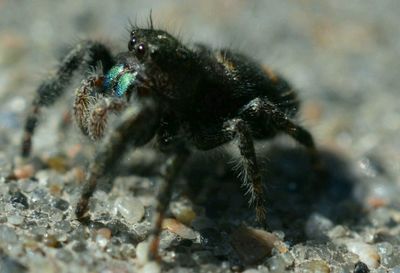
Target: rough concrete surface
{"x": 342, "y": 57}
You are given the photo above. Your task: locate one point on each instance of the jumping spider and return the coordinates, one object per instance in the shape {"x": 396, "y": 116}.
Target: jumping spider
{"x": 184, "y": 98}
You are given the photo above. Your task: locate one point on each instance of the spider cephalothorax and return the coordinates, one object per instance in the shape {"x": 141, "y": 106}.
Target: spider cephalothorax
{"x": 186, "y": 98}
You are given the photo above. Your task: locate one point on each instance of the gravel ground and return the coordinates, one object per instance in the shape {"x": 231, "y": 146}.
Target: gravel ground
{"x": 342, "y": 56}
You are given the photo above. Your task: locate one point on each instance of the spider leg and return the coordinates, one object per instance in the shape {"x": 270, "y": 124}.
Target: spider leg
{"x": 85, "y": 53}
{"x": 252, "y": 178}
{"x": 84, "y": 99}
{"x": 237, "y": 128}
{"x": 91, "y": 109}
{"x": 136, "y": 127}
{"x": 64, "y": 125}
{"x": 280, "y": 121}
{"x": 208, "y": 138}
{"x": 99, "y": 113}
{"x": 170, "y": 171}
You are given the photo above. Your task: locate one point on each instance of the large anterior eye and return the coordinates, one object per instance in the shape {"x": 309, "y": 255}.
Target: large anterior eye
{"x": 132, "y": 43}
{"x": 141, "y": 49}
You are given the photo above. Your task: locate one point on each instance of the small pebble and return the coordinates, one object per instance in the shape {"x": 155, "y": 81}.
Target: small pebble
{"x": 317, "y": 226}
{"x": 28, "y": 186}
{"x": 31, "y": 244}
{"x": 51, "y": 241}
{"x": 316, "y": 266}
{"x": 368, "y": 254}
{"x": 57, "y": 163}
{"x": 104, "y": 232}
{"x": 61, "y": 236}
{"x": 338, "y": 232}
{"x": 15, "y": 219}
{"x": 7, "y": 235}
{"x": 385, "y": 248}
{"x": 389, "y": 255}
{"x": 55, "y": 189}
{"x": 183, "y": 212}
{"x": 169, "y": 239}
{"x": 186, "y": 216}
{"x": 179, "y": 229}
{"x": 130, "y": 208}
{"x": 39, "y": 231}
{"x": 103, "y": 237}
{"x": 288, "y": 258}
{"x": 64, "y": 255}
{"x": 142, "y": 250}
{"x": 113, "y": 250}
{"x": 276, "y": 264}
{"x": 39, "y": 195}
{"x": 61, "y": 204}
{"x": 253, "y": 245}
{"x": 79, "y": 246}
{"x": 128, "y": 251}
{"x": 19, "y": 198}
{"x": 25, "y": 171}
{"x": 361, "y": 267}
{"x": 152, "y": 267}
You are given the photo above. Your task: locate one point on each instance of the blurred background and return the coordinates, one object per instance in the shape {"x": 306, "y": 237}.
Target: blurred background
{"x": 342, "y": 57}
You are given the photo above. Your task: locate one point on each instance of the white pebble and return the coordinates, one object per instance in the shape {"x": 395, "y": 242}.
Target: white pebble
{"x": 179, "y": 229}
{"x": 101, "y": 241}
{"x": 142, "y": 250}
{"x": 368, "y": 254}
{"x": 151, "y": 267}
{"x": 338, "y": 232}
{"x": 317, "y": 226}
{"x": 15, "y": 219}
{"x": 130, "y": 208}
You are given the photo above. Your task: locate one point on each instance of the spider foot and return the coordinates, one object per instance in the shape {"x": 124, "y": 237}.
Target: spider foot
{"x": 81, "y": 210}
{"x": 261, "y": 216}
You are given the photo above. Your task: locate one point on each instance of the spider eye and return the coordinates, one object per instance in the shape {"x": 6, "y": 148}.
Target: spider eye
{"x": 141, "y": 49}
{"x": 132, "y": 43}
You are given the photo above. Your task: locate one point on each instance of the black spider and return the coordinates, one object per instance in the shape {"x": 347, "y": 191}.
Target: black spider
{"x": 185, "y": 98}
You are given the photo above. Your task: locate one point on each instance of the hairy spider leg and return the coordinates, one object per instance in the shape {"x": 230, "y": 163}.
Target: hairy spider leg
{"x": 266, "y": 110}
{"x": 237, "y": 128}
{"x": 99, "y": 113}
{"x": 91, "y": 109}
{"x": 284, "y": 124}
{"x": 85, "y": 53}
{"x": 136, "y": 127}
{"x": 252, "y": 178}
{"x": 170, "y": 171}
{"x": 263, "y": 108}
{"x": 84, "y": 100}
